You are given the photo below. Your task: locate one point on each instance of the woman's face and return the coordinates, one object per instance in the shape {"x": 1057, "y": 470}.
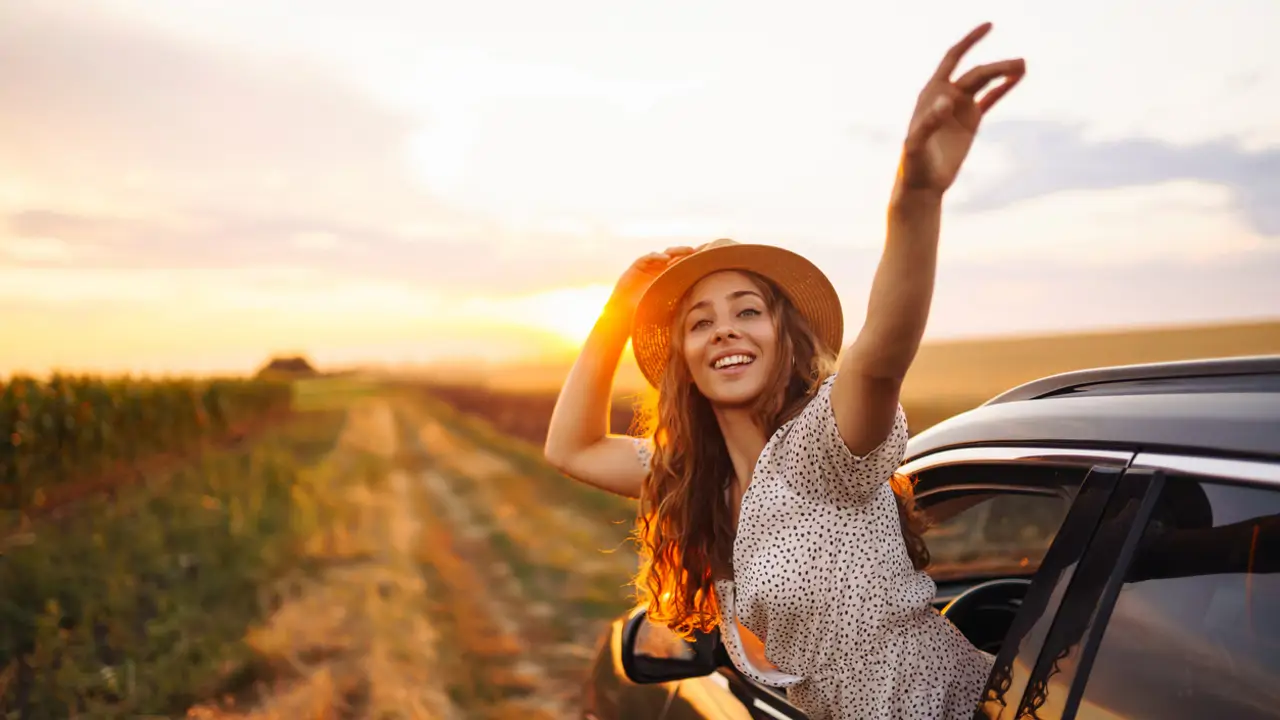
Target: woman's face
{"x": 730, "y": 343}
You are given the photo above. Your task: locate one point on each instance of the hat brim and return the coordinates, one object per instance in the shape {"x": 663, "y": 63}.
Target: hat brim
{"x": 800, "y": 280}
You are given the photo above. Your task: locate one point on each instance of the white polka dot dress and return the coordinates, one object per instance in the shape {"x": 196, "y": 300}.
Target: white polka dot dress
{"x": 823, "y": 579}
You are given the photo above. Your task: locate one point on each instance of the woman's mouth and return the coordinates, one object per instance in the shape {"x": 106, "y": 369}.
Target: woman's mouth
{"x": 737, "y": 361}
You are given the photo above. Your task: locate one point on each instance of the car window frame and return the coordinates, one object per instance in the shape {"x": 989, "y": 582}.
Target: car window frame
{"x": 1147, "y": 468}
{"x": 1083, "y": 459}
{"x": 1024, "y": 642}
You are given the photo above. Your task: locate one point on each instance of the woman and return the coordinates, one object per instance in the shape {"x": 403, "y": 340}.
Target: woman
{"x": 768, "y": 505}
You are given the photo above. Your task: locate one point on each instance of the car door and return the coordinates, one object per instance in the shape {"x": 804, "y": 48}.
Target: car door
{"x": 996, "y": 512}
{"x": 1171, "y": 610}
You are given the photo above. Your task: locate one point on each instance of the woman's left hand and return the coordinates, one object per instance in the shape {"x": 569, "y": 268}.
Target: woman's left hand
{"x": 947, "y": 115}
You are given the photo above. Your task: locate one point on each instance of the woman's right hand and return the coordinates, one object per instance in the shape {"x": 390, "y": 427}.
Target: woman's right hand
{"x": 637, "y": 278}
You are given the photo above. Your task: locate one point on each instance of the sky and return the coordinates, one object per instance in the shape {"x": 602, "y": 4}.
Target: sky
{"x": 190, "y": 187}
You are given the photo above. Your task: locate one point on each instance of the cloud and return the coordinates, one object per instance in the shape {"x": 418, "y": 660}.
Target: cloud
{"x": 91, "y": 100}
{"x": 36, "y": 250}
{"x": 126, "y": 148}
{"x": 1052, "y": 157}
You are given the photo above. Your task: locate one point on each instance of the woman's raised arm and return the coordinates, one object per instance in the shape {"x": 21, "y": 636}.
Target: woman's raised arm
{"x": 866, "y": 392}
{"x": 579, "y": 443}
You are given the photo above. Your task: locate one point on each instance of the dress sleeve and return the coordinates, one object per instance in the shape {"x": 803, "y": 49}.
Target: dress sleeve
{"x": 819, "y": 462}
{"x": 644, "y": 451}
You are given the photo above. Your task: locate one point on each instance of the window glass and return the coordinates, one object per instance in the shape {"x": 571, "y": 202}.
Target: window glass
{"x": 995, "y": 520}
{"x": 1195, "y": 631}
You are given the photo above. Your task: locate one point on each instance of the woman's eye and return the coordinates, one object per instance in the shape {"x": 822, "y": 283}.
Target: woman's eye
{"x": 749, "y": 312}
{"x": 700, "y": 324}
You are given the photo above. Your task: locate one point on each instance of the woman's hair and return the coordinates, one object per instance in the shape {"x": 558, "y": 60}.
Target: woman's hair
{"x": 685, "y": 524}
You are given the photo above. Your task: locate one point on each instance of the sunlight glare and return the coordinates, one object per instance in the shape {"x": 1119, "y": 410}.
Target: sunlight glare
{"x": 571, "y": 313}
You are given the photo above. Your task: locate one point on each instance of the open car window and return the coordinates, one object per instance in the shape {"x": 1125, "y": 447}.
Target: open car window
{"x": 993, "y": 520}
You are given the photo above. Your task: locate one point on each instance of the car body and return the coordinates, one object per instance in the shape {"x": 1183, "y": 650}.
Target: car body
{"x": 1111, "y": 535}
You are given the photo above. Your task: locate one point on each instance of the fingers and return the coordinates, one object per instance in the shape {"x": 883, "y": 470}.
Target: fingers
{"x": 979, "y": 77}
{"x": 991, "y": 98}
{"x": 952, "y": 59}
{"x": 656, "y": 261}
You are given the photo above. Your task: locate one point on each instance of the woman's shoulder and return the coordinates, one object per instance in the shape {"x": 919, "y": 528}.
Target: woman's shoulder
{"x": 811, "y": 452}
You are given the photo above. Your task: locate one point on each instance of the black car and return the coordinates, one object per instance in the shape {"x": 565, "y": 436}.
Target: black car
{"x": 1111, "y": 535}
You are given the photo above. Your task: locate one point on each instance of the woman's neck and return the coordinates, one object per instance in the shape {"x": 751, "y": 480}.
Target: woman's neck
{"x": 744, "y": 439}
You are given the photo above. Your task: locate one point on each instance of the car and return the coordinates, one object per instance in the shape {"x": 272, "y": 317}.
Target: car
{"x": 1111, "y": 535}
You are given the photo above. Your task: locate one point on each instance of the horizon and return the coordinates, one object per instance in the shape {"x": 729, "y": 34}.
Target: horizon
{"x": 190, "y": 190}
{"x": 467, "y": 370}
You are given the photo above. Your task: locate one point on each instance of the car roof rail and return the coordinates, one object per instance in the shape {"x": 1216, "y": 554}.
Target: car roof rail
{"x": 1066, "y": 382}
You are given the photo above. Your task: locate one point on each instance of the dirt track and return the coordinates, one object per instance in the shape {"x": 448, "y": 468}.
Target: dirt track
{"x": 448, "y": 590}
{"x": 354, "y": 642}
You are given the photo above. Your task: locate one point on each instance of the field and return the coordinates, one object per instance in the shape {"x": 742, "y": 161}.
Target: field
{"x": 65, "y": 436}
{"x": 106, "y": 605}
{"x": 378, "y": 555}
{"x": 382, "y": 550}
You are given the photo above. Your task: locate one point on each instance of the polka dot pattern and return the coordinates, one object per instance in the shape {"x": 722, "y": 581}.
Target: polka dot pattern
{"x": 823, "y": 578}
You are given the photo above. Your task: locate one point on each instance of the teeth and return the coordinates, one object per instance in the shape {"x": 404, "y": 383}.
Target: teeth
{"x": 725, "y": 362}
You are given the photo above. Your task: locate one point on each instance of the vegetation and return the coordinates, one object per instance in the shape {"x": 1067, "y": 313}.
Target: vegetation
{"x": 72, "y": 430}
{"x": 294, "y": 366}
{"x": 139, "y": 603}
{"x": 520, "y": 414}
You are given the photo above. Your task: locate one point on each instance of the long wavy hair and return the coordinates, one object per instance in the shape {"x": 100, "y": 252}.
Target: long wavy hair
{"x": 685, "y": 523}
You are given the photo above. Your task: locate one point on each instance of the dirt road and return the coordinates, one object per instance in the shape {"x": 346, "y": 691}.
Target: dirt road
{"x": 454, "y": 584}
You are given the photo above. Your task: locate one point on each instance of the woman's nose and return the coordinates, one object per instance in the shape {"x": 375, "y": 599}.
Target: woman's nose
{"x": 725, "y": 332}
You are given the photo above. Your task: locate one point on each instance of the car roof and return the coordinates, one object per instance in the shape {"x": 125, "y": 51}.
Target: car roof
{"x": 1221, "y": 406}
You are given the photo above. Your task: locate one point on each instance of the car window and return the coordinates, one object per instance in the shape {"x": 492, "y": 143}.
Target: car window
{"x": 1194, "y": 632}
{"x": 995, "y": 520}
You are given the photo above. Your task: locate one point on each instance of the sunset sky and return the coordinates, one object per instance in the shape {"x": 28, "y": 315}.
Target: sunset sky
{"x": 190, "y": 186}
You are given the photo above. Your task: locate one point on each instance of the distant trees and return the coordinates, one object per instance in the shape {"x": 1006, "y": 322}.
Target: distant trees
{"x": 288, "y": 367}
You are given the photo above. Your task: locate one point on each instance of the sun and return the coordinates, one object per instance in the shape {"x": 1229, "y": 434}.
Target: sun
{"x": 570, "y": 313}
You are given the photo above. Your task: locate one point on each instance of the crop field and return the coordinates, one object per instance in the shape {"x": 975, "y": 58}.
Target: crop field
{"x": 132, "y": 599}
{"x": 64, "y": 436}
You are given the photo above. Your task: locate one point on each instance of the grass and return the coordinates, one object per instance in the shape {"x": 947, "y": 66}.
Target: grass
{"x": 137, "y": 603}
{"x": 331, "y": 393}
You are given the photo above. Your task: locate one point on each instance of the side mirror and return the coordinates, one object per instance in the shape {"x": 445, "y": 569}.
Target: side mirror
{"x": 653, "y": 654}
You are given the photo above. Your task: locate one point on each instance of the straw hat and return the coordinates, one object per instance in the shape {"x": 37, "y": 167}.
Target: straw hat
{"x": 800, "y": 280}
